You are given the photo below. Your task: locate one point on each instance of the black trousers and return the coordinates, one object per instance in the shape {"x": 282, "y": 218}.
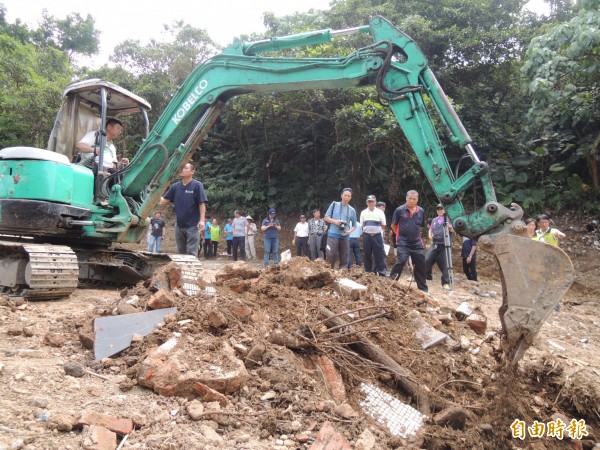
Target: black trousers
{"x": 437, "y": 255}
{"x": 418, "y": 259}
{"x": 470, "y": 269}
{"x": 374, "y": 253}
{"x": 302, "y": 246}
{"x": 239, "y": 243}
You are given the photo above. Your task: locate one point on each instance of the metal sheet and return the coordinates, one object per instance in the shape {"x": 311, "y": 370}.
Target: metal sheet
{"x": 113, "y": 334}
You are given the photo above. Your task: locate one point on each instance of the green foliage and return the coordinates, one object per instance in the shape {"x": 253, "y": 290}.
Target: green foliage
{"x": 73, "y": 34}
{"x": 562, "y": 72}
{"x": 32, "y": 81}
{"x": 296, "y": 150}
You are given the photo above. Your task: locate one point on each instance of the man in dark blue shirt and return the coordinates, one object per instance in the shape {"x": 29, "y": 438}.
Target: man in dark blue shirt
{"x": 408, "y": 222}
{"x": 189, "y": 199}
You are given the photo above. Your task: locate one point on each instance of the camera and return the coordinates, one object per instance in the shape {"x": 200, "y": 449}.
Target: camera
{"x": 343, "y": 225}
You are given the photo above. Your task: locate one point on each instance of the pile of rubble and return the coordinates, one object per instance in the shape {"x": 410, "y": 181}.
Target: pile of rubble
{"x": 300, "y": 356}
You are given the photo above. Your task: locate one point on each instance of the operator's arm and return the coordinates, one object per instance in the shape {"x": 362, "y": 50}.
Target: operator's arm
{"x": 558, "y": 234}
{"x": 265, "y": 227}
{"x": 86, "y": 144}
{"x": 164, "y": 201}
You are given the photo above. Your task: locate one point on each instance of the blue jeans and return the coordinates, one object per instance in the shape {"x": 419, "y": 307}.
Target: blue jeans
{"x": 271, "y": 246}
{"x": 354, "y": 252}
{"x": 154, "y": 243}
{"x": 187, "y": 240}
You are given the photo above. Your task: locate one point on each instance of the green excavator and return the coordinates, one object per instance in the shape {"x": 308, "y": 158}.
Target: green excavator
{"x": 59, "y": 220}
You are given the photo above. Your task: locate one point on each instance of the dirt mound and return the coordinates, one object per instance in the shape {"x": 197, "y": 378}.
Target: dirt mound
{"x": 262, "y": 359}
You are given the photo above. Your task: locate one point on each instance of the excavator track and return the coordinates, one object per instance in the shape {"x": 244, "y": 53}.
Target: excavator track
{"x": 38, "y": 271}
{"x": 118, "y": 267}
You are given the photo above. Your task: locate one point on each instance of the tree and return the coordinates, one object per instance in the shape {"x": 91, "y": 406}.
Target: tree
{"x": 72, "y": 35}
{"x": 562, "y": 72}
{"x": 32, "y": 82}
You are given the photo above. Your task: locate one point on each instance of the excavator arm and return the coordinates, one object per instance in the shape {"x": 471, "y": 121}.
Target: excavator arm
{"x": 535, "y": 276}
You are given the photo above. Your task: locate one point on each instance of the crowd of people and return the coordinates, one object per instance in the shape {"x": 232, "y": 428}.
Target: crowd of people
{"x": 335, "y": 238}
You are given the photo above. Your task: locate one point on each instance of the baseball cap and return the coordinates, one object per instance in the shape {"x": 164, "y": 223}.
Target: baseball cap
{"x": 271, "y": 211}
{"x": 440, "y": 206}
{"x": 371, "y": 198}
{"x": 249, "y": 218}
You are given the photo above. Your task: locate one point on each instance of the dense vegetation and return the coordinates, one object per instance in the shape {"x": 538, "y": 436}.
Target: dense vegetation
{"x": 527, "y": 88}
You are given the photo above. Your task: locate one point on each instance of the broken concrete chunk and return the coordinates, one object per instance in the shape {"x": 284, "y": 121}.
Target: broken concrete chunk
{"x": 254, "y": 356}
{"x": 113, "y": 334}
{"x": 463, "y": 310}
{"x": 366, "y": 441}
{"x": 61, "y": 421}
{"x": 350, "y": 288}
{"x": 217, "y": 319}
{"x": 426, "y": 334}
{"x": 195, "y": 409}
{"x": 477, "y": 322}
{"x": 345, "y": 411}
{"x": 429, "y": 336}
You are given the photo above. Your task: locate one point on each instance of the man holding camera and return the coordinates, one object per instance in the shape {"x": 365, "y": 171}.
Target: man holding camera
{"x": 341, "y": 218}
{"x": 271, "y": 228}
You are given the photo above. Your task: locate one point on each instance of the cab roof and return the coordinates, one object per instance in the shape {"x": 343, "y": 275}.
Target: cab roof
{"x": 119, "y": 100}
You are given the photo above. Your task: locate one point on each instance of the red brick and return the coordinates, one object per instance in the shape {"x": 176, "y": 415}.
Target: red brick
{"x": 242, "y": 312}
{"x": 329, "y": 438}
{"x": 120, "y": 426}
{"x": 161, "y": 299}
{"x": 210, "y": 395}
{"x": 333, "y": 379}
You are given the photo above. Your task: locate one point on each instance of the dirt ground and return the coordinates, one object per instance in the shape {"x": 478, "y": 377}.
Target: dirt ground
{"x": 286, "y": 399}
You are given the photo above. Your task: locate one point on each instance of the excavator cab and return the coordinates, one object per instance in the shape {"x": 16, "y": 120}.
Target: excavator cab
{"x": 86, "y": 106}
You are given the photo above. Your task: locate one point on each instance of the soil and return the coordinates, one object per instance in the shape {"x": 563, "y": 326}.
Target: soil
{"x": 285, "y": 400}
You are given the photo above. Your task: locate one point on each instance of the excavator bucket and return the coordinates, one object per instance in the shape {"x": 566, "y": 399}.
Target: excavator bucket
{"x": 535, "y": 277}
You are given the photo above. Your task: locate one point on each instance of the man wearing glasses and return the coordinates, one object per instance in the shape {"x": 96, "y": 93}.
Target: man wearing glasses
{"x": 341, "y": 218}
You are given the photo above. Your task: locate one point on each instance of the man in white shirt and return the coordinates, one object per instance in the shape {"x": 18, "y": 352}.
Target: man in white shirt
{"x": 372, "y": 220}
{"x": 301, "y": 237}
{"x": 88, "y": 147}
